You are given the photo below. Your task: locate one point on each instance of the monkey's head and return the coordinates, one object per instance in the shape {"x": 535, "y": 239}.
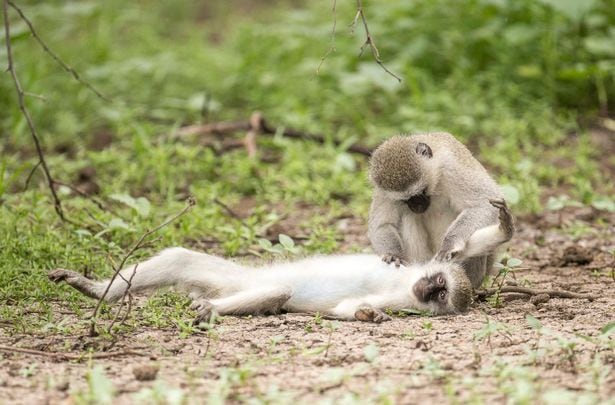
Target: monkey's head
{"x": 444, "y": 288}
{"x": 402, "y": 168}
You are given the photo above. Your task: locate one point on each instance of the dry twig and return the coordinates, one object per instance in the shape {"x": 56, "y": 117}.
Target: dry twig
{"x": 138, "y": 245}
{"x": 57, "y": 204}
{"x": 482, "y": 294}
{"x": 228, "y": 127}
{"x": 369, "y": 40}
{"x": 53, "y": 55}
{"x": 332, "y": 46}
{"x": 72, "y": 356}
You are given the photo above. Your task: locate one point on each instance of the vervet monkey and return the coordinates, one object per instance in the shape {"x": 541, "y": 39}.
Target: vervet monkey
{"x": 356, "y": 286}
{"x": 430, "y": 196}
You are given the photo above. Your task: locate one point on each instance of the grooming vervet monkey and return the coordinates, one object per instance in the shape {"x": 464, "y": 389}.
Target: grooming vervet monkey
{"x": 357, "y": 286}
{"x": 430, "y": 196}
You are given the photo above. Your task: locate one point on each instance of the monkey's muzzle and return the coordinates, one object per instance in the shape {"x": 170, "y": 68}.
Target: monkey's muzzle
{"x": 419, "y": 203}
{"x": 425, "y": 288}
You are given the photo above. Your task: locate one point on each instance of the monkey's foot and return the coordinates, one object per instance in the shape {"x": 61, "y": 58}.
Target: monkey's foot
{"x": 367, "y": 313}
{"x": 507, "y": 222}
{"x": 388, "y": 259}
{"x": 205, "y": 312}
{"x": 75, "y": 280}
{"x": 59, "y": 275}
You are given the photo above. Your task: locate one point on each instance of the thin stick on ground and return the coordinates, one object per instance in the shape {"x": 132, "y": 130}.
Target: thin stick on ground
{"x": 82, "y": 193}
{"x": 54, "y": 56}
{"x": 128, "y": 295}
{"x": 369, "y": 40}
{"x": 72, "y": 356}
{"x": 229, "y": 127}
{"x": 57, "y": 203}
{"x": 482, "y": 294}
{"x": 139, "y": 244}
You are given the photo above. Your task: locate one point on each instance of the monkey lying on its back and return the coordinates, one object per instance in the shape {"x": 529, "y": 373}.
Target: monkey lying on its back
{"x": 358, "y": 286}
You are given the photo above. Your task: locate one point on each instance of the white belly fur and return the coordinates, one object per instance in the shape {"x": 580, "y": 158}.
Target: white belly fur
{"x": 439, "y": 216}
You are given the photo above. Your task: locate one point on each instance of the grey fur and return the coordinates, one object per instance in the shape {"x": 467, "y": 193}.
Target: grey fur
{"x": 459, "y": 188}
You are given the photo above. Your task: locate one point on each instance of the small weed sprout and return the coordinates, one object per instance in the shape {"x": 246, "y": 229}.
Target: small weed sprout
{"x": 371, "y": 352}
{"x": 285, "y": 247}
{"x": 332, "y": 327}
{"x": 492, "y": 328}
{"x": 505, "y": 267}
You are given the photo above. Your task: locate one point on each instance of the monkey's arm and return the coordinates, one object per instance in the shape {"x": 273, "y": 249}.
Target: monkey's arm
{"x": 257, "y": 301}
{"x": 358, "y": 309}
{"x": 383, "y": 229}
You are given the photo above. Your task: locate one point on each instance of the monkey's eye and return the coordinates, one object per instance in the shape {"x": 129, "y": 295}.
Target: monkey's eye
{"x": 442, "y": 295}
{"x": 440, "y": 280}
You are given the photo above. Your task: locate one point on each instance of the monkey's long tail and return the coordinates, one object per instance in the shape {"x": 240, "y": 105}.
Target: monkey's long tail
{"x": 173, "y": 267}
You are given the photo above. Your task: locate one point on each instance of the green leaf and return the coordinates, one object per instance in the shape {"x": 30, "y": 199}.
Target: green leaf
{"x": 101, "y": 388}
{"x": 286, "y": 241}
{"x": 265, "y": 243}
{"x": 604, "y": 203}
{"x": 118, "y": 223}
{"x": 511, "y": 194}
{"x": 513, "y": 262}
{"x": 607, "y": 329}
{"x": 573, "y": 9}
{"x": 371, "y": 352}
{"x": 533, "y": 322}
{"x": 141, "y": 205}
{"x": 557, "y": 203}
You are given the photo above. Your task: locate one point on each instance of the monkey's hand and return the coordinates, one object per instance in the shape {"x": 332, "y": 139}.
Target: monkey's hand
{"x": 449, "y": 251}
{"x": 205, "y": 312}
{"x": 388, "y": 259}
{"x": 507, "y": 221}
{"x": 367, "y": 313}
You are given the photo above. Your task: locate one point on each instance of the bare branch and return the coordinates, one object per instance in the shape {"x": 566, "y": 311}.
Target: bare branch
{"x": 72, "y": 356}
{"x": 369, "y": 40}
{"x": 482, "y": 294}
{"x": 55, "y": 57}
{"x": 57, "y": 204}
{"x": 138, "y": 245}
{"x": 332, "y": 46}
{"x": 221, "y": 128}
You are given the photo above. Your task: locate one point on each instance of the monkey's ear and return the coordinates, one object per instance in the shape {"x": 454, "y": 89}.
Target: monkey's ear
{"x": 424, "y": 150}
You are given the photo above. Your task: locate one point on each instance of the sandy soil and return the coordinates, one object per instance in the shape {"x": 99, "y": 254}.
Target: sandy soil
{"x": 408, "y": 360}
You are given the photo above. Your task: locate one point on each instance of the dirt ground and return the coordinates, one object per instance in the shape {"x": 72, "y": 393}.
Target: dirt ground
{"x": 278, "y": 359}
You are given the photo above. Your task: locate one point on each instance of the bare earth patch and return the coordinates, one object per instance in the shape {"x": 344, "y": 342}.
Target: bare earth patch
{"x": 491, "y": 354}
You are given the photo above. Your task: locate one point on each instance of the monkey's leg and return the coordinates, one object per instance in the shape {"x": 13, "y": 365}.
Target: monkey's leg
{"x": 485, "y": 240}
{"x": 77, "y": 281}
{"x": 387, "y": 242}
{"x": 172, "y": 267}
{"x": 257, "y": 301}
{"x": 358, "y": 309}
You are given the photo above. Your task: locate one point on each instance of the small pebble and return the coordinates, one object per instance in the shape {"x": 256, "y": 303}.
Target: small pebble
{"x": 145, "y": 372}
{"x": 62, "y": 385}
{"x": 539, "y": 299}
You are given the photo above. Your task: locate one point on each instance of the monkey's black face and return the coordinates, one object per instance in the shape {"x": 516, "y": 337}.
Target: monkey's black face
{"x": 432, "y": 289}
{"x": 419, "y": 203}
